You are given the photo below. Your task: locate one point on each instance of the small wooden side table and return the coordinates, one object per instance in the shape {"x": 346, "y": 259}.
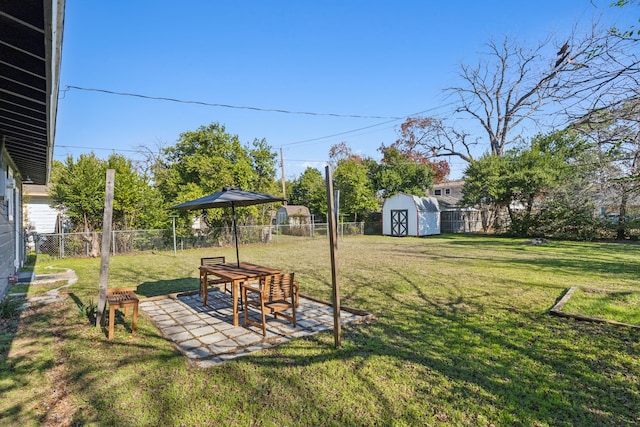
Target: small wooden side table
{"x": 122, "y": 298}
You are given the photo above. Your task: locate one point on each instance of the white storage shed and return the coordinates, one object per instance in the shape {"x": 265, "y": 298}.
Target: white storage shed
{"x": 407, "y": 215}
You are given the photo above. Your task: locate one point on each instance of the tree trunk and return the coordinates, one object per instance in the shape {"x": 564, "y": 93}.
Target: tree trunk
{"x": 94, "y": 245}
{"x": 622, "y": 220}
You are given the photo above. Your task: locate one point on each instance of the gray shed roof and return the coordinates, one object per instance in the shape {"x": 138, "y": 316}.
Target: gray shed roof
{"x": 426, "y": 204}
{"x": 295, "y": 210}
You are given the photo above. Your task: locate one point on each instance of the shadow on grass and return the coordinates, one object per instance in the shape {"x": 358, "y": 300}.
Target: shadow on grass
{"x": 51, "y": 339}
{"x": 166, "y": 287}
{"x": 534, "y": 369}
{"x": 460, "y": 350}
{"x": 10, "y": 320}
{"x": 27, "y": 362}
{"x": 580, "y": 266}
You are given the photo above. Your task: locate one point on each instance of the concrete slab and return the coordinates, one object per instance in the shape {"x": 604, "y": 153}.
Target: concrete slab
{"x": 206, "y": 335}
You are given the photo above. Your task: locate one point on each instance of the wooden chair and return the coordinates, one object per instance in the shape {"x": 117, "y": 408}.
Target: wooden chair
{"x": 274, "y": 294}
{"x": 211, "y": 280}
{"x": 215, "y": 281}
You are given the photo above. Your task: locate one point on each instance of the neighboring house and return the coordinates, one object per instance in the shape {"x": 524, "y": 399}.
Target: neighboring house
{"x": 39, "y": 216}
{"x": 31, "y": 41}
{"x": 293, "y": 215}
{"x": 407, "y": 215}
{"x": 455, "y": 218}
{"x": 448, "y": 193}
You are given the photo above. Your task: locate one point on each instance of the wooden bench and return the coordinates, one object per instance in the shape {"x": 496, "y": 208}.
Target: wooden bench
{"x": 122, "y": 298}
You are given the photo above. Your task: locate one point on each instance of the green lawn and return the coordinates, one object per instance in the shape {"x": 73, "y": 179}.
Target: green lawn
{"x": 462, "y": 337}
{"x": 610, "y": 304}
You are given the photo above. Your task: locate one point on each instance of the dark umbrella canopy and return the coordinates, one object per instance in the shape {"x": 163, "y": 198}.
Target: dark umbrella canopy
{"x": 229, "y": 197}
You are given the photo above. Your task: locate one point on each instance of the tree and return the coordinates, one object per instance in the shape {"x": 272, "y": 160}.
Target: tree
{"x": 136, "y": 205}
{"x": 566, "y": 210}
{"x": 485, "y": 188}
{"x": 631, "y": 32}
{"x": 615, "y": 130}
{"x": 206, "y": 160}
{"x": 357, "y": 195}
{"x": 77, "y": 187}
{"x": 524, "y": 177}
{"x": 398, "y": 172}
{"x": 352, "y": 177}
{"x": 263, "y": 164}
{"x": 310, "y": 190}
{"x": 202, "y": 162}
{"x": 430, "y": 138}
{"x": 513, "y": 87}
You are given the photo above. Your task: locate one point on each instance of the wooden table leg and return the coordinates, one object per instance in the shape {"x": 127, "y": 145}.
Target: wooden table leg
{"x": 205, "y": 292}
{"x": 135, "y": 318}
{"x": 234, "y": 295}
{"x": 112, "y": 320}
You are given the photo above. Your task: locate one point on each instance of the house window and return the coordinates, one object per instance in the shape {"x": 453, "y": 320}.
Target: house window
{"x": 437, "y": 192}
{"x": 447, "y": 191}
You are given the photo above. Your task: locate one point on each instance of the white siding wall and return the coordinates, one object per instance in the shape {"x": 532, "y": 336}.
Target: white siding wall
{"x": 42, "y": 217}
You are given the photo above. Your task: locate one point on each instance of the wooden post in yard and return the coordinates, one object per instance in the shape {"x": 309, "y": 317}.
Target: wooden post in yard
{"x": 106, "y": 243}
{"x": 333, "y": 241}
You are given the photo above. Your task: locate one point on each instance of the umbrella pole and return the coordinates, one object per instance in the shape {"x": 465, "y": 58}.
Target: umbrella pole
{"x": 235, "y": 231}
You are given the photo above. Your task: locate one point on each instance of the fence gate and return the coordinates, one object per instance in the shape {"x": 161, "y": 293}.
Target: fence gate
{"x": 399, "y": 222}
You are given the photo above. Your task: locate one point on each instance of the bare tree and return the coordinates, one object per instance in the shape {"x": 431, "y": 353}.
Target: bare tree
{"x": 513, "y": 89}
{"x": 148, "y": 158}
{"x": 428, "y": 137}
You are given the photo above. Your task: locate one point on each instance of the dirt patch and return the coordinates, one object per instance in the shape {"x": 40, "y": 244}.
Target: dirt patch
{"x": 57, "y": 405}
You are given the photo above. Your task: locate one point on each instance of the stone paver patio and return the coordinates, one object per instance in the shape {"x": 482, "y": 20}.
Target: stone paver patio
{"x": 206, "y": 335}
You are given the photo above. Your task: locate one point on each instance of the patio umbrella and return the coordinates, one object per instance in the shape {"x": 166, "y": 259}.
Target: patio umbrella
{"x": 229, "y": 197}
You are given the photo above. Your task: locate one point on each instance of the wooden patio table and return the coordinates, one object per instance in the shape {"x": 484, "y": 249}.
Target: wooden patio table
{"x": 236, "y": 274}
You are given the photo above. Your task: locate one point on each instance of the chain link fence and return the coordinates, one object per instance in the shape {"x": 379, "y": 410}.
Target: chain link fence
{"x": 68, "y": 245}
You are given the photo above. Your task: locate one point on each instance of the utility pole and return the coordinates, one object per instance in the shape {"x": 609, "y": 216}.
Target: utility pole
{"x": 284, "y": 191}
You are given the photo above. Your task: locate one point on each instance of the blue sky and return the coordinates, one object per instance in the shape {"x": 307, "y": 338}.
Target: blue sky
{"x": 388, "y": 59}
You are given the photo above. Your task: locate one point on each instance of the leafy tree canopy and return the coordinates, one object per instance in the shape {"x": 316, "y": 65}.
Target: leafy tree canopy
{"x": 310, "y": 190}
{"x": 357, "y": 195}
{"x": 518, "y": 179}
{"x": 208, "y": 159}
{"x": 78, "y": 186}
{"x": 399, "y": 172}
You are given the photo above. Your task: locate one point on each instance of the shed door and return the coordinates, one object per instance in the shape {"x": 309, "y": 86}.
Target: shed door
{"x": 399, "y": 222}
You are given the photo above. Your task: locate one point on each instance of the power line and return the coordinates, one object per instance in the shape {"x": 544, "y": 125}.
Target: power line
{"x": 367, "y": 127}
{"x": 391, "y": 118}
{"x": 338, "y": 134}
{"x": 240, "y": 107}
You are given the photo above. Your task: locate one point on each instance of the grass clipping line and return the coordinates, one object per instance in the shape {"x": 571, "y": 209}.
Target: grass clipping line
{"x": 557, "y": 311}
